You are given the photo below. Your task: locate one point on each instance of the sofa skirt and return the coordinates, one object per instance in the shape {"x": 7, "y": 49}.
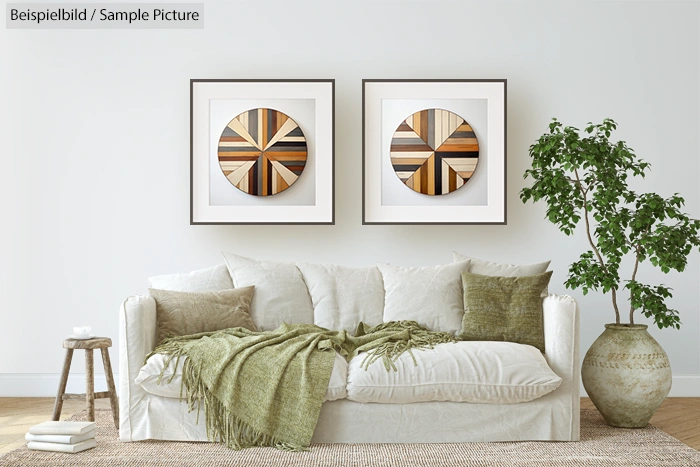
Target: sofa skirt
{"x": 342, "y": 421}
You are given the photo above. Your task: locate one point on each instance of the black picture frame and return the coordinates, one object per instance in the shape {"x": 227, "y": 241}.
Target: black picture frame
{"x": 268, "y": 211}
{"x": 375, "y": 93}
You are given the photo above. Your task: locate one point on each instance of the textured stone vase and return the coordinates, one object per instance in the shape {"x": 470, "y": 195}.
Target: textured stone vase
{"x": 627, "y": 375}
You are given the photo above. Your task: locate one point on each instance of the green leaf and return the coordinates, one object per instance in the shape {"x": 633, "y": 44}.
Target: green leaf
{"x": 583, "y": 175}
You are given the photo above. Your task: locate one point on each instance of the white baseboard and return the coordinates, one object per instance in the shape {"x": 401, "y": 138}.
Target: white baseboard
{"x": 682, "y": 386}
{"x": 46, "y": 384}
{"x": 685, "y": 386}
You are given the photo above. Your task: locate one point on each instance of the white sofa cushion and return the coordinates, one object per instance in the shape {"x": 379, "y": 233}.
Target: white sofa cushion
{"x": 150, "y": 372}
{"x": 479, "y": 372}
{"x": 280, "y": 293}
{"x": 490, "y": 268}
{"x": 343, "y": 296}
{"x": 212, "y": 279}
{"x": 431, "y": 296}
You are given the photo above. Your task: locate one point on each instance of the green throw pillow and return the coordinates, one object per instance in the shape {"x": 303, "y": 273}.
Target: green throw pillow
{"x": 504, "y": 308}
{"x": 183, "y": 313}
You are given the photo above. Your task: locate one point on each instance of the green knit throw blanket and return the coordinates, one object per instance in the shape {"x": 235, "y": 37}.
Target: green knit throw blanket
{"x": 266, "y": 388}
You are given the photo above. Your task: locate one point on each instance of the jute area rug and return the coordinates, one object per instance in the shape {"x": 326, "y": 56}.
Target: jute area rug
{"x": 600, "y": 445}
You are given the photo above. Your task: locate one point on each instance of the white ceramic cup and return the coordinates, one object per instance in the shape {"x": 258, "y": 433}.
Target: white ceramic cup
{"x": 82, "y": 331}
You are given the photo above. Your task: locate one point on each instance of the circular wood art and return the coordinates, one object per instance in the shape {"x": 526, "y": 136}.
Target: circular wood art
{"x": 434, "y": 151}
{"x": 262, "y": 152}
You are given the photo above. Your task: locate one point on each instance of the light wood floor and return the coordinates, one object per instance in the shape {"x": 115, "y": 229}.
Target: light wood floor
{"x": 17, "y": 414}
{"x": 678, "y": 416}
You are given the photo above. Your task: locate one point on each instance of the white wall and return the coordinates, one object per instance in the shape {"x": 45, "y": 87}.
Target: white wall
{"x": 94, "y": 147}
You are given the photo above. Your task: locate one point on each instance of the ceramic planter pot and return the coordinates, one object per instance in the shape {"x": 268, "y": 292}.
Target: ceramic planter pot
{"x": 627, "y": 375}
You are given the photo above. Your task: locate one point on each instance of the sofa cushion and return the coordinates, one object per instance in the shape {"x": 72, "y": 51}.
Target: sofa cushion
{"x": 490, "y": 268}
{"x": 431, "y": 296}
{"x": 479, "y": 372}
{"x": 150, "y": 373}
{"x": 504, "y": 308}
{"x": 183, "y": 313}
{"x": 202, "y": 280}
{"x": 343, "y": 296}
{"x": 280, "y": 292}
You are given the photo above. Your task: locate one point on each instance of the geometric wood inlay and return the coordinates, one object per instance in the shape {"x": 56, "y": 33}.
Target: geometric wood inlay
{"x": 262, "y": 152}
{"x": 434, "y": 152}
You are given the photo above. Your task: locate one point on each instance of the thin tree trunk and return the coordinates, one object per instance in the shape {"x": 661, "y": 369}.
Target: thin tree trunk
{"x": 595, "y": 248}
{"x": 634, "y": 275}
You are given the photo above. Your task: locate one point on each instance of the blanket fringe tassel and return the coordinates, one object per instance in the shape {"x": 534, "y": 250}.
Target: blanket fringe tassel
{"x": 419, "y": 339}
{"x": 222, "y": 426}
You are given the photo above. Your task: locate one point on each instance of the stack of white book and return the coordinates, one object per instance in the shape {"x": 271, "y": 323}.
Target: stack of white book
{"x": 62, "y": 436}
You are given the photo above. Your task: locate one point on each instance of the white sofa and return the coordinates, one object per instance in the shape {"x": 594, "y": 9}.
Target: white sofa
{"x": 404, "y": 410}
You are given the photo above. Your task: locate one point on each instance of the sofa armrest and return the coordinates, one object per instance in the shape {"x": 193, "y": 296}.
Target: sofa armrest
{"x": 561, "y": 345}
{"x": 137, "y": 337}
{"x": 561, "y": 336}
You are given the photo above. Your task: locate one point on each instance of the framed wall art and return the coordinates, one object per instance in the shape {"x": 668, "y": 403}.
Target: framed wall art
{"x": 434, "y": 151}
{"x": 262, "y": 151}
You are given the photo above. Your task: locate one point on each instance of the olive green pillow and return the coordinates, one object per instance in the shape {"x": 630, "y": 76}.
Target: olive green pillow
{"x": 183, "y": 313}
{"x": 504, "y": 308}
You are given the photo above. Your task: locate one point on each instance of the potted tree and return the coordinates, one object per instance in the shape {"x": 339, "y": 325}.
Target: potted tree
{"x": 583, "y": 176}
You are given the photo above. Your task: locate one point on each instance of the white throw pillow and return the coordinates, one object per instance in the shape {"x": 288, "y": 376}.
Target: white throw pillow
{"x": 212, "y": 279}
{"x": 471, "y": 371}
{"x": 490, "y": 268}
{"x": 150, "y": 372}
{"x": 280, "y": 292}
{"x": 431, "y": 296}
{"x": 343, "y": 296}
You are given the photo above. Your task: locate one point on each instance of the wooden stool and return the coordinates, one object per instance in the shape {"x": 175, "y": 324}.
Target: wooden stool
{"x": 102, "y": 343}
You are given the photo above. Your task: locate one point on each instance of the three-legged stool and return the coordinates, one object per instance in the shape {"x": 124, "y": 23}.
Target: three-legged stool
{"x": 102, "y": 343}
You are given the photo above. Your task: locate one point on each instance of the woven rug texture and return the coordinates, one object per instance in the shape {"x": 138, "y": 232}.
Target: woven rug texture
{"x": 600, "y": 446}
